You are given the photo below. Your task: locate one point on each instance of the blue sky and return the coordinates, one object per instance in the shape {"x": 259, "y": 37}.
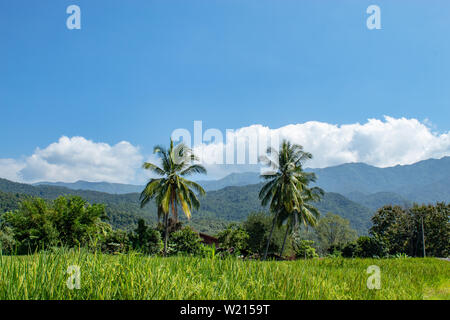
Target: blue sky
{"x": 137, "y": 70}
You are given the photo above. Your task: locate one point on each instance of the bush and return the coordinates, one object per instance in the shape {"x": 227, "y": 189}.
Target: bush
{"x": 7, "y": 242}
{"x": 335, "y": 250}
{"x": 146, "y": 239}
{"x": 349, "y": 250}
{"x": 185, "y": 241}
{"x": 303, "y": 249}
{"x": 369, "y": 247}
{"x": 234, "y": 236}
{"x": 116, "y": 241}
{"x": 66, "y": 221}
{"x": 258, "y": 226}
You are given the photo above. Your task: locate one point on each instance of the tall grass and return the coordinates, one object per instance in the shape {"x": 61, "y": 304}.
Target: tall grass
{"x": 132, "y": 276}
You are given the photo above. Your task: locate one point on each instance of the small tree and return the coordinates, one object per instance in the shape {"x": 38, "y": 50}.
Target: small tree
{"x": 185, "y": 241}
{"x": 333, "y": 230}
{"x": 258, "y": 226}
{"x": 146, "y": 239}
{"x": 234, "y": 236}
{"x": 369, "y": 247}
{"x": 304, "y": 248}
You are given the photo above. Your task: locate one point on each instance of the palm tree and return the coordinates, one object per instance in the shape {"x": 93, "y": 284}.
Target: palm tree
{"x": 307, "y": 215}
{"x": 171, "y": 188}
{"x": 287, "y": 187}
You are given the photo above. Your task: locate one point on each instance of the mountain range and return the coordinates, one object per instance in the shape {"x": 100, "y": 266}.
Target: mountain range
{"x": 218, "y": 207}
{"x": 422, "y": 182}
{"x": 353, "y": 190}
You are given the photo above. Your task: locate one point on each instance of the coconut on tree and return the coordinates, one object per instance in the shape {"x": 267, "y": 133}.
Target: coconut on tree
{"x": 171, "y": 189}
{"x": 287, "y": 192}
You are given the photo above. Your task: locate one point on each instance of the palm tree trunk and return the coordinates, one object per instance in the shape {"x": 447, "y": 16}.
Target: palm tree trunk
{"x": 270, "y": 236}
{"x": 166, "y": 235}
{"x": 284, "y": 240}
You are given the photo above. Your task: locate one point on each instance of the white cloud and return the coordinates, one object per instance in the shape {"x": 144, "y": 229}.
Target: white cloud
{"x": 76, "y": 158}
{"x": 381, "y": 143}
{"x": 9, "y": 169}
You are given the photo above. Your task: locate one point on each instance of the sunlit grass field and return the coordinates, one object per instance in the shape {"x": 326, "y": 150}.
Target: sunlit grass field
{"x": 132, "y": 276}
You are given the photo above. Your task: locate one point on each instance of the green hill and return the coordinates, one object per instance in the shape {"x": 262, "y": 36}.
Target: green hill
{"x": 217, "y": 207}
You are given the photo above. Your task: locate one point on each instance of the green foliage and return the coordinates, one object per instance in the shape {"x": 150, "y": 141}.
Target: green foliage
{"x": 304, "y": 248}
{"x": 39, "y": 224}
{"x": 7, "y": 241}
{"x": 185, "y": 241}
{"x": 116, "y": 241}
{"x": 349, "y": 250}
{"x": 369, "y": 247}
{"x": 33, "y": 225}
{"x": 218, "y": 208}
{"x": 333, "y": 230}
{"x": 234, "y": 236}
{"x": 258, "y": 227}
{"x": 401, "y": 229}
{"x": 146, "y": 239}
{"x": 172, "y": 188}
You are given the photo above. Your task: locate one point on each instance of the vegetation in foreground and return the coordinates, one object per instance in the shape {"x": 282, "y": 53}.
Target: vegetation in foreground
{"x": 132, "y": 276}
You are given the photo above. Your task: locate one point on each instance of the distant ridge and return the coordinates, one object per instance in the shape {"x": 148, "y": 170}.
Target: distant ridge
{"x": 217, "y": 208}
{"x": 426, "y": 181}
{"x": 113, "y": 188}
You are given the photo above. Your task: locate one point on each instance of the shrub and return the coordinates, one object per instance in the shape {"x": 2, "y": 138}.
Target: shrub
{"x": 185, "y": 241}
{"x": 258, "y": 226}
{"x": 146, "y": 239}
{"x": 335, "y": 249}
{"x": 368, "y": 247}
{"x": 234, "y": 236}
{"x": 304, "y": 249}
{"x": 349, "y": 250}
{"x": 116, "y": 241}
{"x": 7, "y": 242}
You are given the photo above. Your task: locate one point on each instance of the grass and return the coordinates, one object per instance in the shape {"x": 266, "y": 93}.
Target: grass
{"x": 131, "y": 276}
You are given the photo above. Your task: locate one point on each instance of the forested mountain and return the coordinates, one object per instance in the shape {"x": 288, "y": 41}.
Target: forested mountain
{"x": 378, "y": 200}
{"x": 232, "y": 180}
{"x": 217, "y": 207}
{"x": 410, "y": 181}
{"x": 422, "y": 182}
{"x": 114, "y": 188}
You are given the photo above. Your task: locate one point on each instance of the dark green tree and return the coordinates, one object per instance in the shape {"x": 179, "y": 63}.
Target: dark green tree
{"x": 333, "y": 230}
{"x": 234, "y": 236}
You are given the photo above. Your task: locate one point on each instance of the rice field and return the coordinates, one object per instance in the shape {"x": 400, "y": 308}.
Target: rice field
{"x": 132, "y": 276}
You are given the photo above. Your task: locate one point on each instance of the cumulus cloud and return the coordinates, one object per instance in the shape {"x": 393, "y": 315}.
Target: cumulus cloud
{"x": 9, "y": 169}
{"x": 381, "y": 143}
{"x": 76, "y": 158}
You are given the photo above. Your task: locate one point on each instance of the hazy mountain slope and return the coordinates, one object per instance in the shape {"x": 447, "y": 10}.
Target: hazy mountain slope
{"x": 361, "y": 177}
{"x": 114, "y": 188}
{"x": 377, "y": 200}
{"x": 217, "y": 207}
{"x": 425, "y": 181}
{"x": 233, "y": 179}
{"x": 235, "y": 203}
{"x": 433, "y": 192}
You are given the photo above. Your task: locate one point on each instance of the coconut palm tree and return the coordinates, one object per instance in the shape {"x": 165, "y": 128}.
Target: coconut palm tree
{"x": 287, "y": 189}
{"x": 172, "y": 188}
{"x": 307, "y": 215}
